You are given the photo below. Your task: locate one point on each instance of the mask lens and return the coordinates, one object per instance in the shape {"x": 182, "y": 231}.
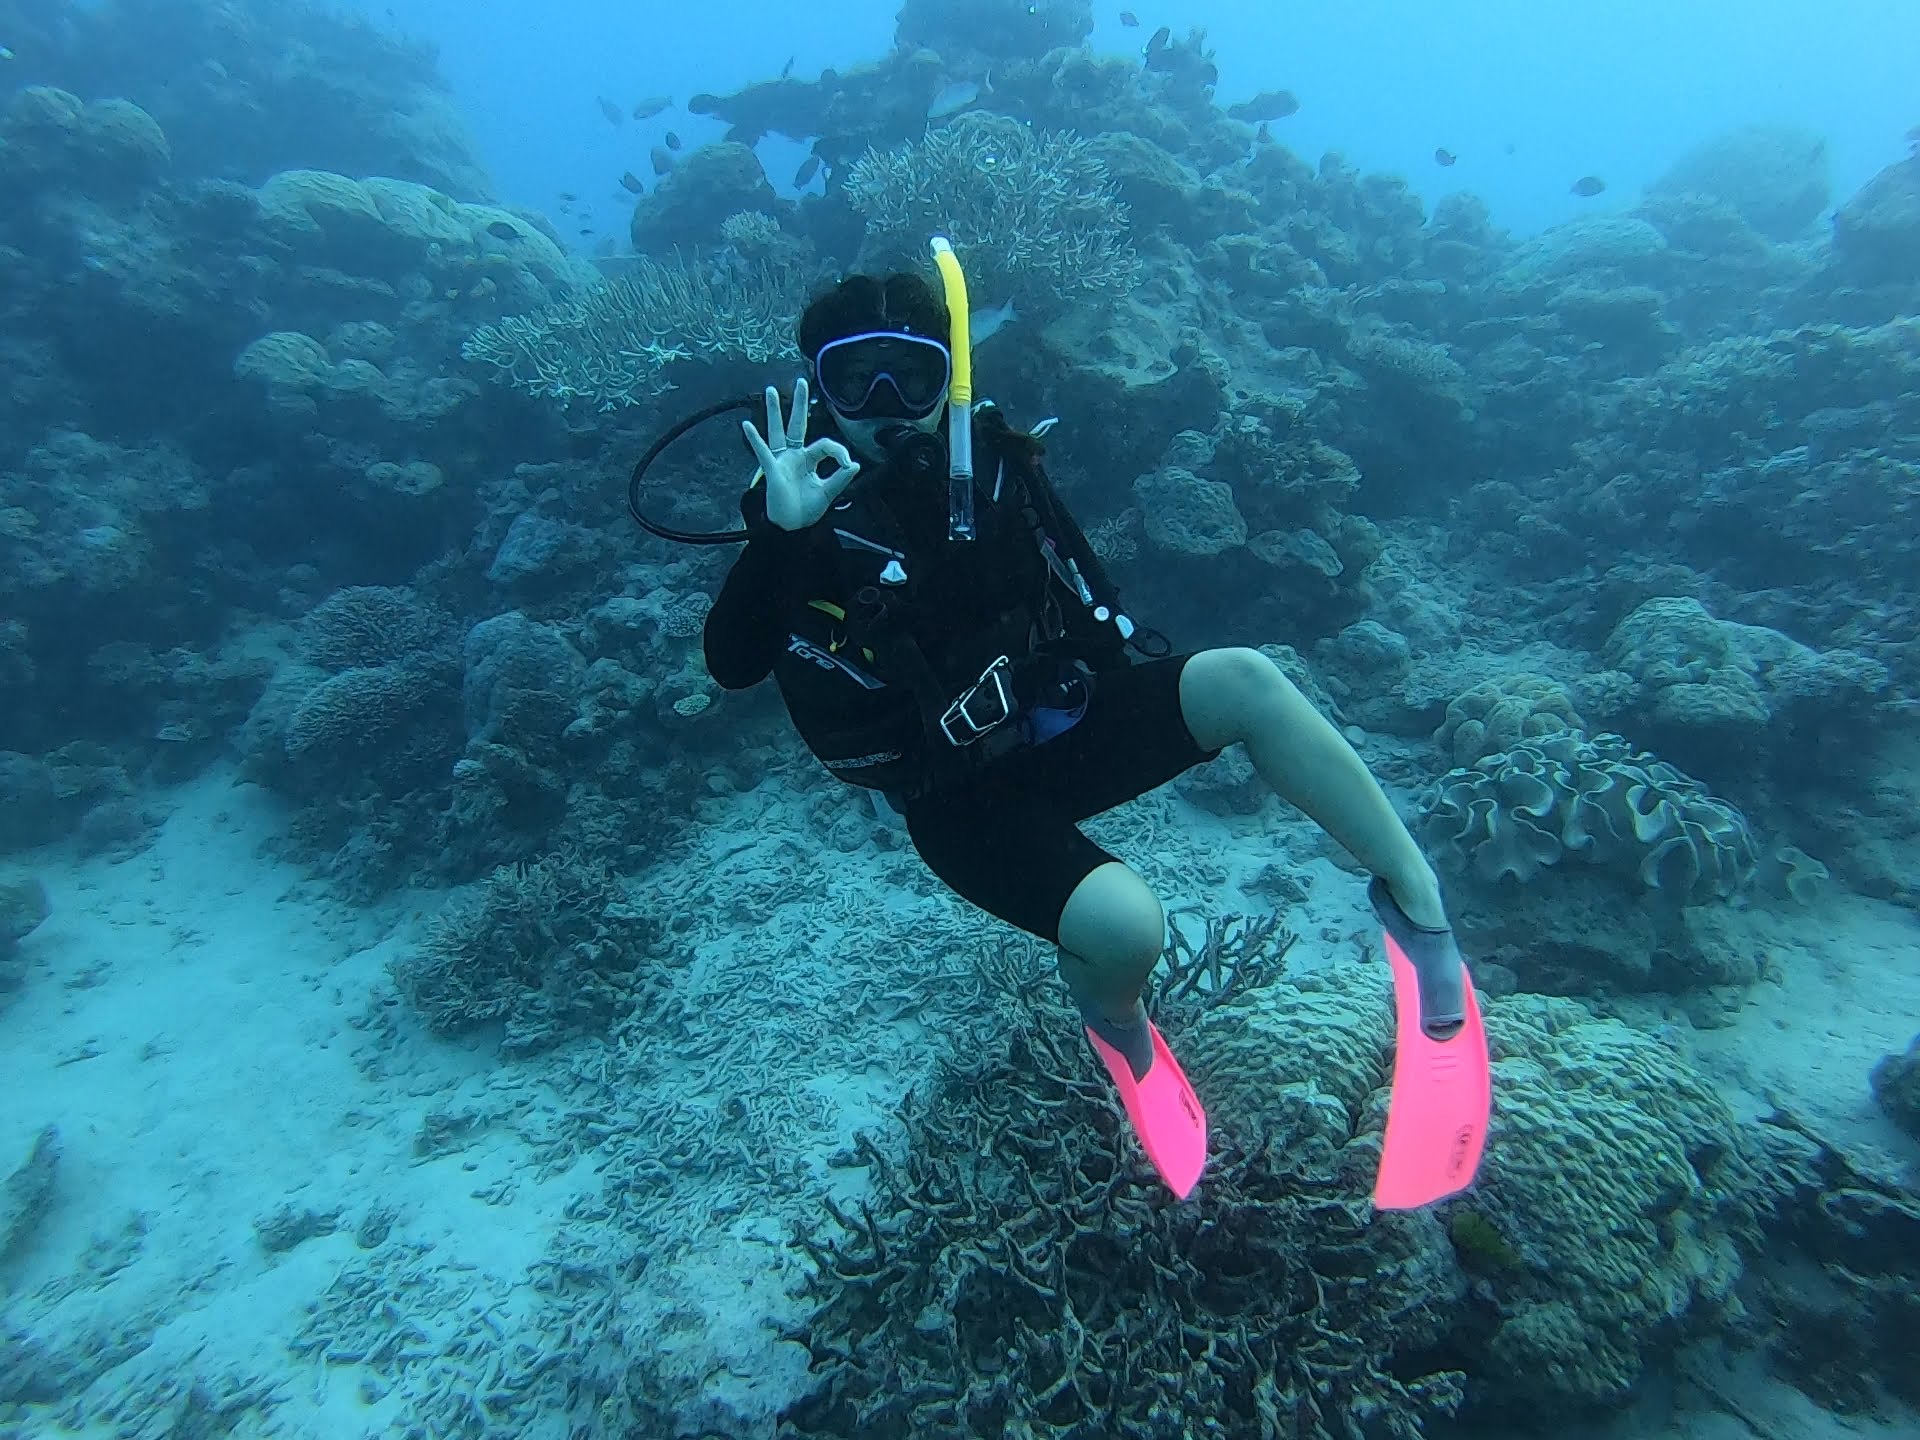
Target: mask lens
{"x": 876, "y": 375}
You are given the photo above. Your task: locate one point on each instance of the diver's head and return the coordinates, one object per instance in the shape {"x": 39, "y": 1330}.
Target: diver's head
{"x": 878, "y": 351}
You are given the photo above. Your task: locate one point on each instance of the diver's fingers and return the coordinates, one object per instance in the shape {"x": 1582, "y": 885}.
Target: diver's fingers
{"x": 760, "y": 450}
{"x": 776, "y": 427}
{"x": 825, "y": 449}
{"x": 797, "y": 421}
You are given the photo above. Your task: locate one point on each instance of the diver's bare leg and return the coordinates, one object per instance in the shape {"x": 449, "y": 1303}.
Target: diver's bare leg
{"x": 1238, "y": 695}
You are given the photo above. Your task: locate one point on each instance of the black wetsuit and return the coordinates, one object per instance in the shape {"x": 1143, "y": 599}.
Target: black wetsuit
{"x": 871, "y": 621}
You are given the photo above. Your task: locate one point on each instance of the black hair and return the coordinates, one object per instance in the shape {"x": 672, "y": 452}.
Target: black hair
{"x": 904, "y": 303}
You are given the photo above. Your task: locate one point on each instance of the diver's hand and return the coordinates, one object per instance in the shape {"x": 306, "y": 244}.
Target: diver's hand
{"x": 797, "y": 493}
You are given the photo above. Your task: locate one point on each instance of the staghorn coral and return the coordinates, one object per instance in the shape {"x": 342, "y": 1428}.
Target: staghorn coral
{"x": 1517, "y": 812}
{"x": 611, "y": 345}
{"x": 1032, "y": 213}
{"x": 551, "y": 948}
{"x": 1018, "y": 1274}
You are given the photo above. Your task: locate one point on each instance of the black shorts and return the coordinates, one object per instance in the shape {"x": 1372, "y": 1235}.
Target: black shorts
{"x": 1009, "y": 839}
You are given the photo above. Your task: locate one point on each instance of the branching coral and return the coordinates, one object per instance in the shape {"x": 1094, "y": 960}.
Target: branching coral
{"x": 1033, "y": 213}
{"x": 611, "y": 345}
{"x": 552, "y": 948}
{"x": 1015, "y": 1276}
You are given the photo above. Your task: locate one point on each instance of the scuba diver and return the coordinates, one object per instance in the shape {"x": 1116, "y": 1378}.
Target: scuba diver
{"x": 943, "y": 634}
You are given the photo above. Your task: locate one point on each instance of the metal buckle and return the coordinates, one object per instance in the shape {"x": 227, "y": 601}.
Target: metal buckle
{"x": 993, "y": 685}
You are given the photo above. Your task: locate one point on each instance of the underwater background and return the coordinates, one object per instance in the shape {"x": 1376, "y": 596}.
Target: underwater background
{"x": 430, "y": 1007}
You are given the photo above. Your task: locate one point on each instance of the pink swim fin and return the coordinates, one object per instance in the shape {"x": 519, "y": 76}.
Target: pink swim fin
{"x": 1442, "y": 1085}
{"x": 1164, "y": 1111}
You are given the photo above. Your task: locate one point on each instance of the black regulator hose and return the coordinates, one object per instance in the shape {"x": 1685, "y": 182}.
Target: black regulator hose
{"x": 673, "y": 433}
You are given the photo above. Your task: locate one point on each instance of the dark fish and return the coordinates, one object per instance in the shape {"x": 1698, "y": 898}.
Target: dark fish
{"x": 610, "y": 110}
{"x": 505, "y": 230}
{"x": 702, "y": 104}
{"x": 1913, "y": 137}
{"x": 568, "y": 196}
{"x": 662, "y": 159}
{"x": 673, "y": 141}
{"x": 1264, "y": 135}
{"x": 1267, "y": 105}
{"x": 787, "y": 69}
{"x": 809, "y": 168}
{"x": 1508, "y": 147}
{"x": 1444, "y": 157}
{"x": 1158, "y": 41}
{"x": 651, "y": 106}
{"x": 586, "y": 230}
{"x": 1129, "y": 19}
{"x": 1588, "y": 185}
{"x": 630, "y": 182}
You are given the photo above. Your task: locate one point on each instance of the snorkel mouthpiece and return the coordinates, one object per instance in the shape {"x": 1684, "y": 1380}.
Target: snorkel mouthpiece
{"x": 959, "y": 394}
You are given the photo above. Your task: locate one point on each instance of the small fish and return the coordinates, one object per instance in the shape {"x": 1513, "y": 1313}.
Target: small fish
{"x": 1158, "y": 41}
{"x": 1267, "y": 105}
{"x": 1129, "y": 19}
{"x": 1913, "y": 135}
{"x": 586, "y": 230}
{"x": 1444, "y": 157}
{"x": 786, "y": 70}
{"x": 1264, "y": 135}
{"x": 952, "y": 99}
{"x": 662, "y": 159}
{"x": 702, "y": 104}
{"x": 651, "y": 106}
{"x": 630, "y": 182}
{"x": 610, "y": 110}
{"x": 809, "y": 168}
{"x": 983, "y": 325}
{"x": 568, "y": 196}
{"x": 1508, "y": 147}
{"x": 506, "y": 230}
{"x": 1588, "y": 185}
{"x": 673, "y": 141}
{"x": 5, "y": 53}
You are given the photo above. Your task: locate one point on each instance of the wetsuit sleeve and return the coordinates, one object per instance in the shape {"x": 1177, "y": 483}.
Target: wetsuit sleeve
{"x": 747, "y": 628}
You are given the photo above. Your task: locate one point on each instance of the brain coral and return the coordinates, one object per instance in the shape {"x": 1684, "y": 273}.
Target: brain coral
{"x": 1615, "y": 1193}
{"x": 1498, "y": 714}
{"x": 1518, "y": 811}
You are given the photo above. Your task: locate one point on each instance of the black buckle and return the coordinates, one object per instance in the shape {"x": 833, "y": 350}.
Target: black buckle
{"x": 983, "y": 706}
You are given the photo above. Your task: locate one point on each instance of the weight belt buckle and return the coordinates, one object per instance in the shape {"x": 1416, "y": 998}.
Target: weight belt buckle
{"x": 982, "y": 707}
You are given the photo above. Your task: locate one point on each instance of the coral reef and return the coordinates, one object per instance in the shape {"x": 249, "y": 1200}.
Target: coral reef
{"x": 547, "y": 950}
{"x": 1564, "y": 794}
{"x": 1032, "y": 214}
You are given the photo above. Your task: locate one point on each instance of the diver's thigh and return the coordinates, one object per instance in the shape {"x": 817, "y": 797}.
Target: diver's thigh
{"x": 1017, "y": 857}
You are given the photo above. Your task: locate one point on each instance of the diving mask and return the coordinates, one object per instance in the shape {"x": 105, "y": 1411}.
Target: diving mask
{"x": 883, "y": 375}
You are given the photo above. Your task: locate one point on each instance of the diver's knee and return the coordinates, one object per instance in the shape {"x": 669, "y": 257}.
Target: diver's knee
{"x": 1224, "y": 691}
{"x": 1114, "y": 918}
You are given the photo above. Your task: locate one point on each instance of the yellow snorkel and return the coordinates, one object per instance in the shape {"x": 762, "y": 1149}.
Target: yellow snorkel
{"x": 959, "y": 394}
